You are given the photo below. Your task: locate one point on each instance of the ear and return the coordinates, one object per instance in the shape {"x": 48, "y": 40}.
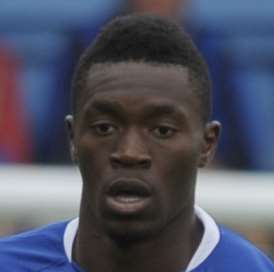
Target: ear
{"x": 211, "y": 136}
{"x": 69, "y": 122}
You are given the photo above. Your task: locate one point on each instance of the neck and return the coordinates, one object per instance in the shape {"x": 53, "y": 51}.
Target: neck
{"x": 170, "y": 250}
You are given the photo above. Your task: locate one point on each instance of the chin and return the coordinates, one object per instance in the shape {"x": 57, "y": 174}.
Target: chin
{"x": 131, "y": 231}
{"x": 129, "y": 221}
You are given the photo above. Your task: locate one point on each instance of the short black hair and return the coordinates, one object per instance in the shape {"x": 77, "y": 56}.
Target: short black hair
{"x": 147, "y": 38}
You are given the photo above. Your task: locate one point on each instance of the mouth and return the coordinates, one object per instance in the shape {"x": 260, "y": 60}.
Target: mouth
{"x": 128, "y": 196}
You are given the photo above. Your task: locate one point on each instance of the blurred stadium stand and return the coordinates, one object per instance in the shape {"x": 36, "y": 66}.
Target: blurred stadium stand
{"x": 237, "y": 39}
{"x": 15, "y": 142}
{"x": 46, "y": 36}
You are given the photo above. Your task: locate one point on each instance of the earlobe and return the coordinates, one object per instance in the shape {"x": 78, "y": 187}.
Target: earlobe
{"x": 73, "y": 153}
{"x": 69, "y": 121}
{"x": 211, "y": 136}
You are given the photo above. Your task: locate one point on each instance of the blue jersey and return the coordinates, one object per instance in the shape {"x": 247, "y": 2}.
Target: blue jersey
{"x": 49, "y": 249}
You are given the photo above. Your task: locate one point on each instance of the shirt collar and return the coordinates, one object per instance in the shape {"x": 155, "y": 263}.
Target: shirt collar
{"x": 208, "y": 243}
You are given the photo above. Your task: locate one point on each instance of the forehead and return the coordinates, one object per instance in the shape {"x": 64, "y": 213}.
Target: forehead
{"x": 146, "y": 81}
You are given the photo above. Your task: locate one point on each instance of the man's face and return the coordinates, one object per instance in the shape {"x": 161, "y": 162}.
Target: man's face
{"x": 138, "y": 139}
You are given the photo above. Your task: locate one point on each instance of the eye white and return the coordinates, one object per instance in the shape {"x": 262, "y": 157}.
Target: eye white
{"x": 163, "y": 131}
{"x": 104, "y": 128}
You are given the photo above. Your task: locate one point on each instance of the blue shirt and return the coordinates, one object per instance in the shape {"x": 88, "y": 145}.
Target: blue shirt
{"x": 49, "y": 249}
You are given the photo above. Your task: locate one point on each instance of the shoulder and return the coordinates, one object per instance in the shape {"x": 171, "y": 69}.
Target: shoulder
{"x": 234, "y": 253}
{"x": 38, "y": 249}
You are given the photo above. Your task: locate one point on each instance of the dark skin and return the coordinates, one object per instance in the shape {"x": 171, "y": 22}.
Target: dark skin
{"x": 139, "y": 139}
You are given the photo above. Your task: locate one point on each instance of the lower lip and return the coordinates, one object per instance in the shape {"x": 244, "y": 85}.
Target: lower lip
{"x": 127, "y": 205}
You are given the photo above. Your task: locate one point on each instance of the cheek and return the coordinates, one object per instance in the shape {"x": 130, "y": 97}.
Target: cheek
{"x": 180, "y": 158}
{"x": 178, "y": 170}
{"x": 92, "y": 160}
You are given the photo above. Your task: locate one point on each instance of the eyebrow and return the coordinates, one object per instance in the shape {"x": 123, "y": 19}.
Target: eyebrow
{"x": 154, "y": 110}
{"x": 162, "y": 109}
{"x": 106, "y": 107}
{"x": 150, "y": 110}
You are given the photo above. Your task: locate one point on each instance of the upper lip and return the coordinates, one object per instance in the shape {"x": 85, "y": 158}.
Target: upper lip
{"x": 129, "y": 186}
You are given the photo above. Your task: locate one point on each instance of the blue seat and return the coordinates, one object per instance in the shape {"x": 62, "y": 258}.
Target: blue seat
{"x": 237, "y": 38}
{"x": 249, "y": 49}
{"x": 234, "y": 16}
{"x": 51, "y": 15}
{"x": 37, "y": 47}
{"x": 253, "y": 100}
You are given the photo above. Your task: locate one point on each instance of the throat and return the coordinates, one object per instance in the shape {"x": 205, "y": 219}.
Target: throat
{"x": 169, "y": 251}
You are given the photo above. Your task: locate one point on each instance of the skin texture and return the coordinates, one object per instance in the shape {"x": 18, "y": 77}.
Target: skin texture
{"x": 139, "y": 123}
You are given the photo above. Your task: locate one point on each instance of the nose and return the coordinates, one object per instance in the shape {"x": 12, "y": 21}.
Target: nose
{"x": 131, "y": 152}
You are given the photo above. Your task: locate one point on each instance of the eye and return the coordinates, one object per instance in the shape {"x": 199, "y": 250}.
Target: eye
{"x": 104, "y": 128}
{"x": 164, "y": 131}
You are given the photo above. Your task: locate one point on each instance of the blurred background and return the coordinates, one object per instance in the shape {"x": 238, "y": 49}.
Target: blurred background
{"x": 40, "y": 43}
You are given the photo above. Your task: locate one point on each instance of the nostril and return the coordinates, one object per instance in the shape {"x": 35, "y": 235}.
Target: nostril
{"x": 115, "y": 160}
{"x": 146, "y": 163}
{"x": 130, "y": 161}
